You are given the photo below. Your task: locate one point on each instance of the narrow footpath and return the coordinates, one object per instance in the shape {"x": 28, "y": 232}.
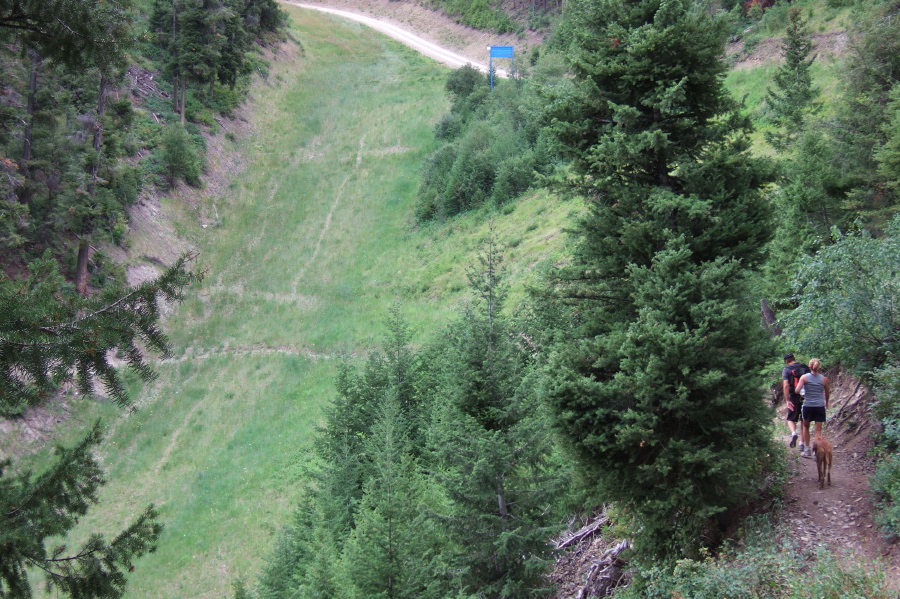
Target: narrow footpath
{"x": 839, "y": 516}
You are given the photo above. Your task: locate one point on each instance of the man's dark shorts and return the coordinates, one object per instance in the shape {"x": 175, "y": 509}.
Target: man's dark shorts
{"x": 794, "y": 415}
{"x": 814, "y": 414}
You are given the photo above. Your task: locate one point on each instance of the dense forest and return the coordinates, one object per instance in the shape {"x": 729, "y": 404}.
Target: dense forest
{"x": 629, "y": 380}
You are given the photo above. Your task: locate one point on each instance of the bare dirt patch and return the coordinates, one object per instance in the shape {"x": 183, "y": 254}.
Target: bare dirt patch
{"x": 827, "y": 47}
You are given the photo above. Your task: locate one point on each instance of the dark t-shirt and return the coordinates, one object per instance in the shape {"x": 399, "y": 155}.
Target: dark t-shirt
{"x": 792, "y": 373}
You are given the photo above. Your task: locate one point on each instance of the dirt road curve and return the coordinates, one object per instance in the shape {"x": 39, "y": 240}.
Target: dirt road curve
{"x": 427, "y": 48}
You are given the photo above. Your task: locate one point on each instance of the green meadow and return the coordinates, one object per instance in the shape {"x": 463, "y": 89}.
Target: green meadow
{"x": 315, "y": 242}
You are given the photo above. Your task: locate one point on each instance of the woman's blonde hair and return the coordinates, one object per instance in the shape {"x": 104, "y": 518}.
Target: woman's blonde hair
{"x": 815, "y": 365}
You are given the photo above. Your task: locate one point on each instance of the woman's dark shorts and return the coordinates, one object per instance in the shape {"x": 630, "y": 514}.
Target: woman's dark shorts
{"x": 794, "y": 415}
{"x": 814, "y": 414}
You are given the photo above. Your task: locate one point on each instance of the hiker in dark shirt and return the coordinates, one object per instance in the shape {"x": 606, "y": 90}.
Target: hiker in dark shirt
{"x": 791, "y": 374}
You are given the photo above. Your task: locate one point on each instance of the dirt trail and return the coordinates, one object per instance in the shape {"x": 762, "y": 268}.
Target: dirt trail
{"x": 430, "y": 32}
{"x": 839, "y": 516}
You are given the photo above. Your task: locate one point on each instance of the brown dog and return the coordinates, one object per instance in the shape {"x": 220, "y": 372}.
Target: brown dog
{"x": 824, "y": 456}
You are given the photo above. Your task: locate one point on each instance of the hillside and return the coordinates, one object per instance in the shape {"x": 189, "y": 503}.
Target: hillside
{"x": 305, "y": 231}
{"x": 308, "y": 186}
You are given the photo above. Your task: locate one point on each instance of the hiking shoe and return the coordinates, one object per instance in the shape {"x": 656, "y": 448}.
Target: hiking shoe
{"x": 793, "y": 440}
{"x": 806, "y": 453}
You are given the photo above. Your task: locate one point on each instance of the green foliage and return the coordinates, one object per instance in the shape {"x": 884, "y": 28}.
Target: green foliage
{"x": 847, "y": 301}
{"x": 885, "y": 483}
{"x": 210, "y": 40}
{"x": 808, "y": 203}
{"x": 762, "y": 566}
{"x": 462, "y": 82}
{"x": 885, "y": 486}
{"x": 478, "y": 13}
{"x": 492, "y": 450}
{"x": 888, "y": 155}
{"x": 658, "y": 377}
{"x": 385, "y": 555}
{"x": 493, "y": 144}
{"x": 48, "y": 333}
{"x": 80, "y": 34}
{"x": 434, "y": 474}
{"x": 44, "y": 508}
{"x": 793, "y": 98}
{"x": 180, "y": 158}
{"x": 865, "y": 110}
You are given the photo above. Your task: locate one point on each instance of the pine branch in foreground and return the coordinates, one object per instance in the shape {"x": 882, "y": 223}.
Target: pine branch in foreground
{"x": 49, "y": 334}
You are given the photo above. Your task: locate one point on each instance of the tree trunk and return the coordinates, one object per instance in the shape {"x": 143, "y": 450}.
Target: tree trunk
{"x": 29, "y": 136}
{"x": 183, "y": 96}
{"x": 769, "y": 319}
{"x": 81, "y": 273}
{"x": 174, "y": 46}
{"x": 98, "y": 136}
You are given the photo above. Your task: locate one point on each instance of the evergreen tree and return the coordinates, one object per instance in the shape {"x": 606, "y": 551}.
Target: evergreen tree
{"x": 49, "y": 334}
{"x": 492, "y": 452}
{"x": 864, "y": 110}
{"x": 657, "y": 391}
{"x": 888, "y": 155}
{"x": 40, "y": 509}
{"x": 385, "y": 554}
{"x": 355, "y": 449}
{"x": 76, "y": 34}
{"x": 793, "y": 99}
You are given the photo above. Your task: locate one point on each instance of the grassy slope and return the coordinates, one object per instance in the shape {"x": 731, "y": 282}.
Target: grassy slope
{"x": 750, "y": 80}
{"x": 316, "y": 242}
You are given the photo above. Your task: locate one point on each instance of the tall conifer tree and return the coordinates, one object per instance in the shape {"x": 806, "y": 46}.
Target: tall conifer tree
{"x": 657, "y": 392}
{"x": 385, "y": 555}
{"x": 793, "y": 97}
{"x": 492, "y": 450}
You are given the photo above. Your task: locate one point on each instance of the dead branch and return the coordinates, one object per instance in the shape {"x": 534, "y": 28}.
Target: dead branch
{"x": 572, "y": 538}
{"x": 606, "y": 575}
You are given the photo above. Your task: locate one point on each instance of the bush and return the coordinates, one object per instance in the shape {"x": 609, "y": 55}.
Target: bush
{"x": 885, "y": 484}
{"x": 762, "y": 567}
{"x": 514, "y": 177}
{"x": 848, "y": 301}
{"x": 463, "y": 81}
{"x": 179, "y": 156}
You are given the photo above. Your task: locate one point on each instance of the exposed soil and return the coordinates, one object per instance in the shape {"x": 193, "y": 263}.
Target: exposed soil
{"x": 827, "y": 47}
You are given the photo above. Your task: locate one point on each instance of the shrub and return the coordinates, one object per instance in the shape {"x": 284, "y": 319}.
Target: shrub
{"x": 885, "y": 485}
{"x": 762, "y": 567}
{"x": 848, "y": 301}
{"x": 514, "y": 177}
{"x": 179, "y": 156}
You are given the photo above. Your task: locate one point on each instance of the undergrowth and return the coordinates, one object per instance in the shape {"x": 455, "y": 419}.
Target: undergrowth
{"x": 764, "y": 564}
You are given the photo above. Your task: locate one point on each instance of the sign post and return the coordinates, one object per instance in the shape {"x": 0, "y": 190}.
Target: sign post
{"x": 500, "y": 52}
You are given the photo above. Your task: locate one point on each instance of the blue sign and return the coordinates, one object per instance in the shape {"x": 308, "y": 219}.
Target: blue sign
{"x": 501, "y": 52}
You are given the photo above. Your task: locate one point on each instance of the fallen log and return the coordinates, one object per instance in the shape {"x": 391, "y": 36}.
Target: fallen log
{"x": 570, "y": 539}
